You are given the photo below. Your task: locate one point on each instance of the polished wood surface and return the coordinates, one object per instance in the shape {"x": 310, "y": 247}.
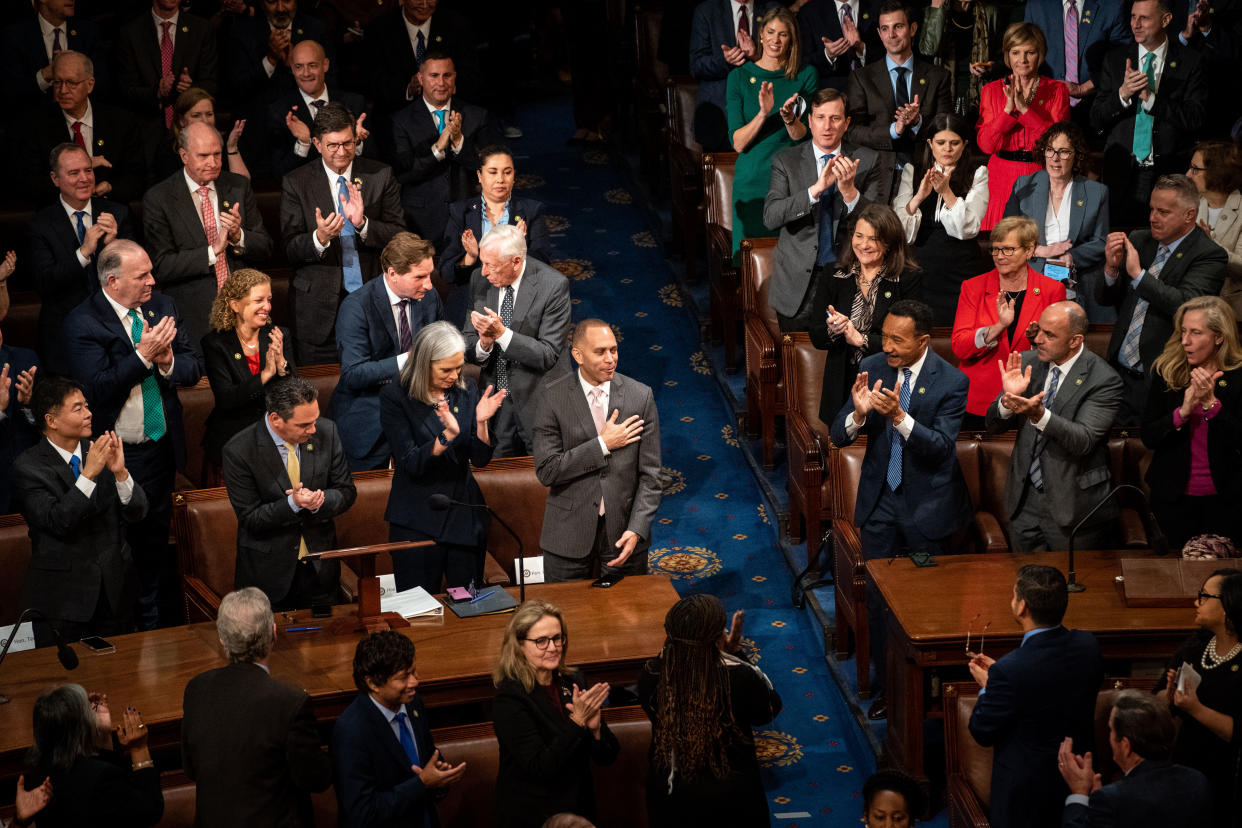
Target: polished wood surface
{"x": 931, "y": 609}
{"x": 611, "y": 633}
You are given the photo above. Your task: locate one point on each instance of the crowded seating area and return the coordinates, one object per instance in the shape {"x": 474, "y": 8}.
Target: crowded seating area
{"x": 290, "y": 332}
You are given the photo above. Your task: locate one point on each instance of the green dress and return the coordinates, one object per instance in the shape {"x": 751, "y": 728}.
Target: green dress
{"x": 751, "y": 174}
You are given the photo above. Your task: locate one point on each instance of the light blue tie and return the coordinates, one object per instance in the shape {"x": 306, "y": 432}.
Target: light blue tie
{"x": 1037, "y": 472}
{"x": 1129, "y": 355}
{"x": 895, "y": 450}
{"x": 349, "y": 244}
{"x": 80, "y": 225}
{"x": 439, "y": 120}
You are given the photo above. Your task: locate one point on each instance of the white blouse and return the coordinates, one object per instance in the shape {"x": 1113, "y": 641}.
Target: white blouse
{"x": 1057, "y": 222}
{"x": 961, "y": 221}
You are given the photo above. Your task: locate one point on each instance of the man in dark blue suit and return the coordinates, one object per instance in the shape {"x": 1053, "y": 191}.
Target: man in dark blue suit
{"x": 1153, "y": 792}
{"x": 385, "y": 767}
{"x": 839, "y": 36}
{"x": 374, "y": 330}
{"x": 258, "y": 50}
{"x": 714, "y": 53}
{"x": 1097, "y": 26}
{"x": 28, "y": 46}
{"x": 64, "y": 247}
{"x": 18, "y": 430}
{"x": 1032, "y": 699}
{"x": 128, "y": 350}
{"x": 908, "y": 402}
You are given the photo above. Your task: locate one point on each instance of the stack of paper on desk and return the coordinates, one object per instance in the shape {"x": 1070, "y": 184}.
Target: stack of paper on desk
{"x": 413, "y": 603}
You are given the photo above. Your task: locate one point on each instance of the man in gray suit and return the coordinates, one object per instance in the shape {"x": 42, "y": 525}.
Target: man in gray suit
{"x": 603, "y": 469}
{"x": 519, "y": 321}
{"x": 201, "y": 223}
{"x": 1059, "y": 466}
{"x": 814, "y": 187}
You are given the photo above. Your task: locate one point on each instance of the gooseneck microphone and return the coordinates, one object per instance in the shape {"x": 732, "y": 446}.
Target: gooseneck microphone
{"x": 1159, "y": 543}
{"x": 441, "y": 502}
{"x": 68, "y": 658}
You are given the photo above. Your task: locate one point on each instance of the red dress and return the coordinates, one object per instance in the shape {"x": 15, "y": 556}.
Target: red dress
{"x": 999, "y": 132}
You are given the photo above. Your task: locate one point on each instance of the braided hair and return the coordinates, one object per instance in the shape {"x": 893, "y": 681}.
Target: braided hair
{"x": 692, "y": 704}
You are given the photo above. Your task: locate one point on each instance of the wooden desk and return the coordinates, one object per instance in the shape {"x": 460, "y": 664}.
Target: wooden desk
{"x": 931, "y": 609}
{"x": 612, "y": 632}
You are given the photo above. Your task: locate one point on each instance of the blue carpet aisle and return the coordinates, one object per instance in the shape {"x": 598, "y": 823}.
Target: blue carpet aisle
{"x": 714, "y": 533}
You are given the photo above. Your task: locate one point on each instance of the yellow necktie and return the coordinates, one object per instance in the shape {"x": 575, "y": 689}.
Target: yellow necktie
{"x": 294, "y": 467}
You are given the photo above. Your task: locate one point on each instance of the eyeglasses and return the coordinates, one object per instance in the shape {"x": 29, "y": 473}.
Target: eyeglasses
{"x": 1203, "y": 596}
{"x": 343, "y": 145}
{"x": 67, "y": 84}
{"x": 545, "y": 641}
{"x": 1193, "y": 168}
{"x": 1063, "y": 154}
{"x": 982, "y": 633}
{"x": 1006, "y": 251}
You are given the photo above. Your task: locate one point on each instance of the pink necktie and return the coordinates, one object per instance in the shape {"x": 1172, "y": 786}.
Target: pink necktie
{"x": 1071, "y": 45}
{"x": 213, "y": 236}
{"x": 166, "y": 56}
{"x": 597, "y": 412}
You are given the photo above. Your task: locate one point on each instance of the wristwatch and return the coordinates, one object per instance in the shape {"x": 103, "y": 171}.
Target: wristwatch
{"x": 444, "y": 441}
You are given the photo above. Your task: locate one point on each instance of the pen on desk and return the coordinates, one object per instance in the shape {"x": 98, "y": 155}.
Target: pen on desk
{"x": 481, "y": 596}
{"x": 301, "y": 629}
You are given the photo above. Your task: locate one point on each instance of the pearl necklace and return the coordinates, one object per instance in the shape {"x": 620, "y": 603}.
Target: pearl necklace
{"x": 1211, "y": 660}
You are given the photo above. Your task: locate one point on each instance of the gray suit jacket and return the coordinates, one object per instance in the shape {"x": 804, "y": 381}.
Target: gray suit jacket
{"x": 1088, "y": 218}
{"x": 788, "y": 209}
{"x": 177, "y": 243}
{"x": 570, "y": 460}
{"x": 1074, "y": 459}
{"x": 540, "y": 333}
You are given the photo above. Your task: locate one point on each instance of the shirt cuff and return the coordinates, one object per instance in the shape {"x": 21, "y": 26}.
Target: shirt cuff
{"x": 505, "y": 338}
{"x": 1111, "y": 280}
{"x": 981, "y": 338}
{"x": 292, "y": 505}
{"x": 1135, "y": 282}
{"x": 85, "y": 485}
{"x": 211, "y": 256}
{"x": 82, "y": 260}
{"x": 301, "y": 150}
{"x": 1124, "y": 102}
{"x": 1042, "y": 422}
{"x": 268, "y": 66}
{"x": 1078, "y": 799}
{"x": 125, "y": 490}
{"x": 461, "y": 142}
{"x": 1178, "y": 420}
{"x": 362, "y": 231}
{"x": 44, "y": 85}
{"x": 241, "y": 240}
{"x": 320, "y": 249}
{"x": 603, "y": 445}
{"x": 146, "y": 363}
{"x": 1215, "y": 410}
{"x": 850, "y": 205}
{"x": 851, "y": 427}
{"x": 810, "y": 197}
{"x": 168, "y": 373}
{"x": 1149, "y": 103}
{"x": 437, "y": 152}
{"x": 904, "y": 427}
{"x": 892, "y": 131}
{"x": 1005, "y": 413}
{"x": 481, "y": 352}
{"x": 402, "y": 358}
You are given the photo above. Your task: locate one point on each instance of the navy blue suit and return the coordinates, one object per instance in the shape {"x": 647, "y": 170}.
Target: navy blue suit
{"x": 16, "y": 432}
{"x": 467, "y": 214}
{"x": 63, "y": 283}
{"x": 1153, "y": 795}
{"x": 368, "y": 344}
{"x": 24, "y": 56}
{"x": 712, "y": 28}
{"x": 1109, "y": 26}
{"x": 245, "y": 44}
{"x": 819, "y": 19}
{"x": 277, "y": 140}
{"x": 1036, "y": 696}
{"x": 375, "y": 785}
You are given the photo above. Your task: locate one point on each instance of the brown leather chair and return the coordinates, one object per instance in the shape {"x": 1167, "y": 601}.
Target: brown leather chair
{"x": 649, "y": 78}
{"x": 765, "y": 387}
{"x": 180, "y": 799}
{"x": 968, "y": 766}
{"x": 726, "y": 302}
{"x": 685, "y": 168}
{"x": 807, "y": 442}
{"x": 14, "y": 561}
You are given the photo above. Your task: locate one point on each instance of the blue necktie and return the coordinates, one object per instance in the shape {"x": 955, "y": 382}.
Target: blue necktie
{"x": 349, "y": 244}
{"x": 407, "y": 738}
{"x": 439, "y": 113}
{"x": 75, "y": 466}
{"x": 901, "y": 89}
{"x": 80, "y": 226}
{"x": 420, "y": 48}
{"x": 826, "y": 255}
{"x": 1037, "y": 472}
{"x": 895, "y": 449}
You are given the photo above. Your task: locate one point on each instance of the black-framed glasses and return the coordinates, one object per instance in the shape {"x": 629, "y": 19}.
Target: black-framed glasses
{"x": 1193, "y": 168}
{"x": 981, "y": 637}
{"x": 1203, "y": 596}
{"x": 545, "y": 641}
{"x": 1005, "y": 251}
{"x": 1064, "y": 154}
{"x": 335, "y": 147}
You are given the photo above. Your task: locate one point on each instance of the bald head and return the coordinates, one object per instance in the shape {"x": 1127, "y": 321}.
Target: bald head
{"x": 1062, "y": 327}
{"x": 200, "y": 152}
{"x": 309, "y": 64}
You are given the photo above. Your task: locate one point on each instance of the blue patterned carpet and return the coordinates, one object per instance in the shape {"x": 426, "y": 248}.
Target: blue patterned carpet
{"x": 716, "y": 531}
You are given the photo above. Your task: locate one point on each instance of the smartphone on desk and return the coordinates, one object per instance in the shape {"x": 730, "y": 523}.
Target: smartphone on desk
{"x": 97, "y": 645}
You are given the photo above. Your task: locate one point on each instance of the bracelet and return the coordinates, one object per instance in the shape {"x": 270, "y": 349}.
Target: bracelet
{"x": 150, "y": 763}
{"x": 235, "y": 153}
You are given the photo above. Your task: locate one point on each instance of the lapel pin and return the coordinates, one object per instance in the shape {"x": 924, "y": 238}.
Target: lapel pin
{"x": 236, "y": 356}
{"x": 185, "y": 28}
{"x": 922, "y": 81}
{"x": 73, "y": 32}
{"x": 358, "y": 184}
{"x": 299, "y": 31}
{"x": 99, "y": 143}
{"x": 1080, "y": 204}
{"x": 1036, "y": 291}
{"x": 888, "y": 294}
{"x": 1173, "y": 64}
{"x": 922, "y": 389}
{"x": 310, "y": 446}
{"x": 1178, "y": 256}
{"x": 752, "y": 80}
{"x": 866, "y": 16}
{"x": 151, "y": 314}
{"x": 454, "y": 409}
{"x": 1078, "y": 381}
{"x": 1222, "y": 383}
{"x": 226, "y": 204}
{"x": 438, "y": 38}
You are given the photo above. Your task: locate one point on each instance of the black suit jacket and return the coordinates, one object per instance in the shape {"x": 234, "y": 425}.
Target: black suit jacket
{"x": 116, "y": 137}
{"x": 78, "y": 544}
{"x": 318, "y": 281}
{"x": 428, "y": 185}
{"x": 17, "y": 433}
{"x": 1178, "y": 113}
{"x": 268, "y": 531}
{"x": 819, "y": 19}
{"x": 375, "y": 786}
{"x": 24, "y": 56}
{"x": 63, "y": 283}
{"x": 1036, "y": 696}
{"x": 1153, "y": 795}
{"x": 103, "y": 359}
{"x": 250, "y": 743}
{"x": 1195, "y": 268}
{"x": 467, "y": 214}
{"x": 245, "y": 42}
{"x": 545, "y": 759}
{"x": 102, "y": 791}
{"x": 872, "y": 105}
{"x": 138, "y": 61}
{"x": 178, "y": 245}
{"x": 1170, "y": 460}
{"x": 275, "y": 154}
{"x": 238, "y": 393}
{"x": 392, "y": 54}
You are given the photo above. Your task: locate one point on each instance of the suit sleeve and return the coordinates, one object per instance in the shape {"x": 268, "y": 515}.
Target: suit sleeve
{"x": 517, "y": 730}
{"x": 256, "y": 516}
{"x": 706, "y": 58}
{"x": 409, "y": 452}
{"x": 339, "y": 489}
{"x": 56, "y": 275}
{"x": 229, "y": 395}
{"x": 355, "y": 775}
{"x": 556, "y": 463}
{"x": 1204, "y": 276}
{"x": 538, "y": 239}
{"x": 308, "y": 762}
{"x": 299, "y": 247}
{"x": 1107, "y": 109}
{"x": 106, "y": 383}
{"x": 172, "y": 264}
{"x": 450, "y": 270}
{"x": 995, "y": 710}
{"x": 389, "y": 222}
{"x": 136, "y": 794}
{"x": 648, "y": 490}
{"x": 44, "y": 507}
{"x": 937, "y": 441}
{"x": 540, "y": 352}
{"x": 415, "y": 161}
{"x": 1094, "y": 418}
{"x": 865, "y": 128}
{"x": 1089, "y": 252}
{"x": 786, "y": 201}
{"x": 359, "y": 369}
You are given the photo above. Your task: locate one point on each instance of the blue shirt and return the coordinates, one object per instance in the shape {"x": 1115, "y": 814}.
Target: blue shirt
{"x": 892, "y": 77}
{"x": 487, "y": 225}
{"x": 284, "y": 455}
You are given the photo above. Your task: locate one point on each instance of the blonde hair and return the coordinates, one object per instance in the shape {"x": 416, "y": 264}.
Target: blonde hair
{"x": 237, "y": 287}
{"x": 793, "y": 58}
{"x": 1027, "y": 230}
{"x": 1020, "y": 34}
{"x": 513, "y": 664}
{"x": 1172, "y": 366}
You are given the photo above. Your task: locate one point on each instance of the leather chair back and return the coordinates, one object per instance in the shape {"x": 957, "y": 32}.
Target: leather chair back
{"x": 21, "y": 323}
{"x": 803, "y": 368}
{"x": 510, "y": 487}
{"x": 652, "y": 71}
{"x": 14, "y": 561}
{"x": 680, "y": 94}
{"x": 718, "y": 187}
{"x": 758, "y": 264}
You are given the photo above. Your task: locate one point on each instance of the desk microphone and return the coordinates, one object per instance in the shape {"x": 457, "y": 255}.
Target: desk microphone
{"x": 68, "y": 658}
{"x": 1158, "y": 542}
{"x": 441, "y": 502}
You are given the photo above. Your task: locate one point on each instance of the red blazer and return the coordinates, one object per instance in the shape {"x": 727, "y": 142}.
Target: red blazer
{"x": 976, "y": 308}
{"x": 998, "y": 131}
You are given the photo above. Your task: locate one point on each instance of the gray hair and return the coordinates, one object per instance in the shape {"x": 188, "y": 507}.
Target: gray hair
{"x": 287, "y": 393}
{"x": 112, "y": 259}
{"x": 245, "y": 625}
{"x": 1186, "y": 190}
{"x": 183, "y": 135}
{"x": 437, "y": 341}
{"x": 88, "y": 65}
{"x": 64, "y": 728}
{"x": 508, "y": 238}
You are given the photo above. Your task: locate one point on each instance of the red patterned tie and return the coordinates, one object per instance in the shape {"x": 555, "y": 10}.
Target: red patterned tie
{"x": 77, "y": 135}
{"x": 213, "y": 236}
{"x": 57, "y": 45}
{"x": 743, "y": 25}
{"x": 166, "y": 56}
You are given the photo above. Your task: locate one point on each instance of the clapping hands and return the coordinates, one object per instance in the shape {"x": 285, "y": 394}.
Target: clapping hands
{"x": 586, "y": 708}
{"x": 438, "y": 773}
{"x": 1015, "y": 381}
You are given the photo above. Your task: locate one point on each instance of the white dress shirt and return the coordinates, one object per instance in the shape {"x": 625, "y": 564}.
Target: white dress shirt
{"x": 87, "y": 221}
{"x": 586, "y": 391}
{"x": 302, "y": 150}
{"x": 124, "y": 488}
{"x": 333, "y": 188}
{"x": 505, "y": 338}
{"x": 172, "y": 32}
{"x": 1064, "y": 368}
{"x": 1057, "y": 221}
{"x": 448, "y": 110}
{"x": 907, "y": 422}
{"x": 129, "y": 423}
{"x": 49, "y": 40}
{"x": 88, "y": 127}
{"x": 820, "y": 155}
{"x": 961, "y": 221}
{"x": 197, "y": 201}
